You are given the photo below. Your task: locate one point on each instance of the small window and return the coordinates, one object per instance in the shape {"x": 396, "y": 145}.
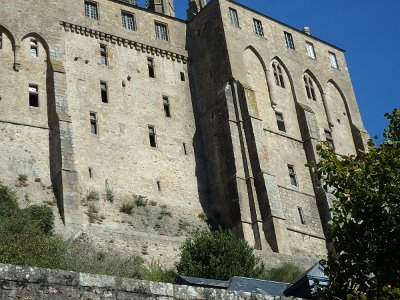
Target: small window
{"x": 161, "y": 31}
{"x": 152, "y": 136}
{"x": 333, "y": 61}
{"x": 309, "y": 85}
{"x": 34, "y": 48}
{"x": 310, "y": 50}
{"x": 159, "y": 185}
{"x": 103, "y": 55}
{"x": 280, "y": 122}
{"x": 289, "y": 40}
{"x": 167, "y": 110}
{"x": 258, "y": 27}
{"x": 91, "y": 10}
{"x": 1, "y": 40}
{"x": 183, "y": 76}
{"x": 301, "y": 215}
{"x": 93, "y": 123}
{"x": 90, "y": 172}
{"x": 278, "y": 75}
{"x": 104, "y": 91}
{"x": 184, "y": 149}
{"x": 150, "y": 64}
{"x": 292, "y": 175}
{"x": 128, "y": 21}
{"x": 329, "y": 139}
{"x": 234, "y": 17}
{"x": 33, "y": 95}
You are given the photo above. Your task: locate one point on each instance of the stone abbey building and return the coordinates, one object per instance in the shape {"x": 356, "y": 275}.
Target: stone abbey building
{"x": 220, "y": 113}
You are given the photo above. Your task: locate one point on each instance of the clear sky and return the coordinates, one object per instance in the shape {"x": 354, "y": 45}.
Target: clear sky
{"x": 368, "y": 30}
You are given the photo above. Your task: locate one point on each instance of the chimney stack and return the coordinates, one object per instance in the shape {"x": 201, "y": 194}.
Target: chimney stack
{"x": 307, "y": 30}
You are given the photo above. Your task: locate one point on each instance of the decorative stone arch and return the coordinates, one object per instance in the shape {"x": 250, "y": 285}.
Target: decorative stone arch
{"x": 289, "y": 75}
{"x": 346, "y": 105}
{"x": 41, "y": 40}
{"x": 257, "y": 53}
{"x": 321, "y": 90}
{"x": 9, "y": 35}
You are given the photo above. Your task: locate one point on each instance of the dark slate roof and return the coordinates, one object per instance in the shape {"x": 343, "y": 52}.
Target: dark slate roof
{"x": 202, "y": 282}
{"x": 304, "y": 287}
{"x": 258, "y": 286}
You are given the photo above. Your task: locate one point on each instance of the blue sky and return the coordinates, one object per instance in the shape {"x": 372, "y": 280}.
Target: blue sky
{"x": 368, "y": 30}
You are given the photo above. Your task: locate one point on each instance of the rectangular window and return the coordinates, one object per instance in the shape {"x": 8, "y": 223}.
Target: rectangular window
{"x": 292, "y": 175}
{"x": 258, "y": 27}
{"x": 184, "y": 148}
{"x": 152, "y": 136}
{"x": 289, "y": 40}
{"x": 280, "y": 121}
{"x": 93, "y": 123}
{"x": 159, "y": 185}
{"x": 104, "y": 91}
{"x": 33, "y": 95}
{"x": 182, "y": 76}
{"x": 234, "y": 17}
{"x": 103, "y": 55}
{"x": 34, "y": 48}
{"x": 91, "y": 10}
{"x": 128, "y": 21}
{"x": 1, "y": 40}
{"x": 161, "y": 31}
{"x": 333, "y": 61}
{"x": 301, "y": 215}
{"x": 329, "y": 139}
{"x": 150, "y": 64}
{"x": 310, "y": 50}
{"x": 167, "y": 110}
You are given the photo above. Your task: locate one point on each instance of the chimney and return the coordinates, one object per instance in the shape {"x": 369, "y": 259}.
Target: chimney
{"x": 307, "y": 30}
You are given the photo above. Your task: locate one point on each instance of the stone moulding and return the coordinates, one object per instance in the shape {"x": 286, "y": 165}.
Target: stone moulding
{"x": 103, "y": 36}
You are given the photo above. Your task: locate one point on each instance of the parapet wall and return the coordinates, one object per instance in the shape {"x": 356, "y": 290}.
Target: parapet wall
{"x": 35, "y": 283}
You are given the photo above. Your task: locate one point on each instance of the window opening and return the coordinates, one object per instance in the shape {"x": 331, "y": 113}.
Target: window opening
{"x": 90, "y": 173}
{"x": 333, "y": 61}
{"x": 234, "y": 17}
{"x": 103, "y": 55}
{"x": 161, "y": 31}
{"x": 104, "y": 91}
{"x": 159, "y": 185}
{"x": 33, "y": 95}
{"x": 292, "y": 175}
{"x": 91, "y": 10}
{"x": 309, "y": 85}
{"x": 128, "y": 21}
{"x": 93, "y": 123}
{"x": 329, "y": 139}
{"x": 258, "y": 27}
{"x": 289, "y": 40}
{"x": 150, "y": 64}
{"x": 301, "y": 214}
{"x": 34, "y": 47}
{"x": 184, "y": 148}
{"x": 278, "y": 74}
{"x": 1, "y": 40}
{"x": 280, "y": 122}
{"x": 310, "y": 50}
{"x": 167, "y": 110}
{"x": 152, "y": 136}
{"x": 182, "y": 76}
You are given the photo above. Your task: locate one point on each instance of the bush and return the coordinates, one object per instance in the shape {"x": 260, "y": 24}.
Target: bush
{"x": 39, "y": 216}
{"x": 23, "y": 179}
{"x": 217, "y": 255}
{"x": 91, "y": 196}
{"x": 109, "y": 192}
{"x": 8, "y": 202}
{"x": 140, "y": 201}
{"x": 158, "y": 273}
{"x": 127, "y": 208}
{"x": 285, "y": 273}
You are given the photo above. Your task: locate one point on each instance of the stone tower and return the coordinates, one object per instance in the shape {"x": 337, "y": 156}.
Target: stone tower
{"x": 165, "y": 7}
{"x": 194, "y": 7}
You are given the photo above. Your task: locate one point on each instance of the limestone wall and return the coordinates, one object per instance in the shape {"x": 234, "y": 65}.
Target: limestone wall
{"x": 34, "y": 283}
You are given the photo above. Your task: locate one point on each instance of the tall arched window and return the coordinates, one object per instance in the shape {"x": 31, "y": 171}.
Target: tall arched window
{"x": 278, "y": 75}
{"x": 309, "y": 85}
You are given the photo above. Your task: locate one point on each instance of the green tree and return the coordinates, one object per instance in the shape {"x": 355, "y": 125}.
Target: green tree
{"x": 365, "y": 225}
{"x": 217, "y": 255}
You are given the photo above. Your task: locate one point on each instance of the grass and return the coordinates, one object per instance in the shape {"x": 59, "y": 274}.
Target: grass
{"x": 23, "y": 180}
{"x": 127, "y": 208}
{"x": 91, "y": 196}
{"x": 93, "y": 214}
{"x": 140, "y": 201}
{"x": 109, "y": 192}
{"x": 285, "y": 273}
{"x": 202, "y": 216}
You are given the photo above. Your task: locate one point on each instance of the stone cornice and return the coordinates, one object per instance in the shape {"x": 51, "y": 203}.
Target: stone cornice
{"x": 124, "y": 42}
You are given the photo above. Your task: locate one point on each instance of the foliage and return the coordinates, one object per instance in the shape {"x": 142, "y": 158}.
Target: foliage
{"x": 109, "y": 192}
{"x": 217, "y": 255}
{"x": 285, "y": 273}
{"x": 40, "y": 217}
{"x": 8, "y": 202}
{"x": 365, "y": 226}
{"x": 158, "y": 273}
{"x": 23, "y": 179}
{"x": 140, "y": 201}
{"x": 202, "y": 216}
{"x": 93, "y": 214}
{"x": 91, "y": 196}
{"x": 127, "y": 208}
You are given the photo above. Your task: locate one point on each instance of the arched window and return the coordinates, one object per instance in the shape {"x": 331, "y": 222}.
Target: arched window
{"x": 278, "y": 75}
{"x": 309, "y": 85}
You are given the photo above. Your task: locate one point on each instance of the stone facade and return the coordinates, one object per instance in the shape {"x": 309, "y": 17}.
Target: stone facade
{"x": 183, "y": 112}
